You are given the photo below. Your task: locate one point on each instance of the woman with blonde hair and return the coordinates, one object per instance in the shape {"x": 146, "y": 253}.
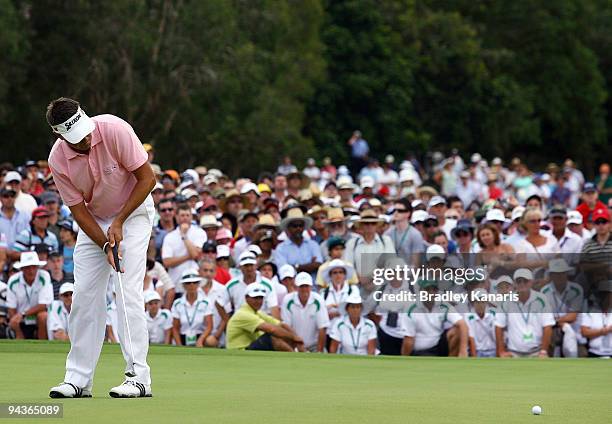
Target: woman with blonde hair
{"x": 536, "y": 244}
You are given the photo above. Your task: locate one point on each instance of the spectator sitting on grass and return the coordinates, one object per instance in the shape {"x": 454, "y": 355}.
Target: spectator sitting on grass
{"x": 251, "y": 329}
{"x": 353, "y": 334}
{"x": 159, "y": 321}
{"x": 192, "y": 313}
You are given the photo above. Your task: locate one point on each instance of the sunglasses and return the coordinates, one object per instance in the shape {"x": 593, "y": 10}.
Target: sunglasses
{"x": 402, "y": 210}
{"x": 430, "y": 225}
{"x": 600, "y": 222}
{"x": 7, "y": 195}
{"x": 340, "y": 271}
{"x": 296, "y": 225}
{"x": 452, "y": 217}
{"x": 462, "y": 233}
{"x": 336, "y": 224}
{"x": 210, "y": 209}
{"x": 166, "y": 210}
{"x": 186, "y": 283}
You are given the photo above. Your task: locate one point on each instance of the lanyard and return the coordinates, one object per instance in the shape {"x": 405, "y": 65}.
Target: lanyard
{"x": 25, "y": 289}
{"x": 355, "y": 343}
{"x": 195, "y": 311}
{"x": 397, "y": 246}
{"x": 522, "y": 314}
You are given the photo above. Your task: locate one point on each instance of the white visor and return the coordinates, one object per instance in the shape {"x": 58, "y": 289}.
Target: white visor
{"x": 75, "y": 128}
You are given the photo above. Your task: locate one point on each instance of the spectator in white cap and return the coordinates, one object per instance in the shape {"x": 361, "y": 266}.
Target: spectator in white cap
{"x": 528, "y": 321}
{"x": 235, "y": 289}
{"x": 159, "y": 321}
{"x": 23, "y": 201}
{"x": 515, "y": 231}
{"x": 565, "y": 298}
{"x": 437, "y": 207}
{"x": 251, "y": 192}
{"x": 29, "y": 294}
{"x": 418, "y": 221}
{"x": 59, "y": 311}
{"x": 502, "y": 284}
{"x": 366, "y": 184}
{"x": 182, "y": 247}
{"x": 214, "y": 293}
{"x": 433, "y": 328}
{"x": 311, "y": 170}
{"x": 252, "y": 329}
{"x": 468, "y": 189}
{"x": 306, "y": 313}
{"x": 575, "y": 225}
{"x": 223, "y": 274}
{"x": 285, "y": 283}
{"x": 336, "y": 275}
{"x": 353, "y": 334}
{"x": 597, "y": 322}
{"x": 496, "y": 217}
{"x": 191, "y": 313}
{"x": 481, "y": 326}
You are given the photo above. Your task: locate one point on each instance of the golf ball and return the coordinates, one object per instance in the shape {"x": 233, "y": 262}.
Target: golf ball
{"x": 536, "y": 410}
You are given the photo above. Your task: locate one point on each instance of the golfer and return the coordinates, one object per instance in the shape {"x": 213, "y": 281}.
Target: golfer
{"x": 102, "y": 173}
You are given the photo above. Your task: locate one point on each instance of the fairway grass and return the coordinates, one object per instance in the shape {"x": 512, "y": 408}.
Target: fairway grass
{"x": 216, "y": 386}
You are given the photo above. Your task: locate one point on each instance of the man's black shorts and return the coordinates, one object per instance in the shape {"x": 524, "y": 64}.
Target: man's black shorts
{"x": 441, "y": 349}
{"x": 29, "y": 331}
{"x": 262, "y": 343}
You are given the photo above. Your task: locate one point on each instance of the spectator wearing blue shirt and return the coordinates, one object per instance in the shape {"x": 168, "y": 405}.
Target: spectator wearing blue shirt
{"x": 68, "y": 235}
{"x": 12, "y": 220}
{"x": 37, "y": 234}
{"x": 359, "y": 152}
{"x": 303, "y": 254}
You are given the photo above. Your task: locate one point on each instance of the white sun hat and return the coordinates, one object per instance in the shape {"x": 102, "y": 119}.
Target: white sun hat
{"x": 29, "y": 259}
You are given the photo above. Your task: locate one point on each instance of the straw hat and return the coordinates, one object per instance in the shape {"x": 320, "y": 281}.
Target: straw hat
{"x": 368, "y": 215}
{"x": 266, "y": 221}
{"x": 334, "y": 215}
{"x": 295, "y": 214}
{"x": 230, "y": 194}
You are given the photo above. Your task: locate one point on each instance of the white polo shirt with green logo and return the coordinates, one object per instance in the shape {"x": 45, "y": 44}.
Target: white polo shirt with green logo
{"x": 353, "y": 340}
{"x": 307, "y": 319}
{"x": 57, "y": 318}
{"x": 524, "y": 323}
{"x": 22, "y": 296}
{"x": 426, "y": 326}
{"x": 158, "y": 325}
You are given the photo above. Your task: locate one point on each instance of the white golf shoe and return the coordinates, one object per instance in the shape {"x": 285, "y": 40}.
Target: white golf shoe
{"x": 68, "y": 390}
{"x": 131, "y": 389}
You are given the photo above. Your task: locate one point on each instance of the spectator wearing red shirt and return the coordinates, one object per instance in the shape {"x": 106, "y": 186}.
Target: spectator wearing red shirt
{"x": 589, "y": 203}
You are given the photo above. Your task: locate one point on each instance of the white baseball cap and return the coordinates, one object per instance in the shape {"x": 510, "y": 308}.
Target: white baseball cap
{"x": 255, "y": 290}
{"x": 150, "y": 296}
{"x": 416, "y": 202}
{"x": 522, "y": 273}
{"x": 188, "y": 193}
{"x": 418, "y": 216}
{"x": 75, "y": 128}
{"x": 249, "y": 187}
{"x": 517, "y": 212}
{"x": 502, "y": 279}
{"x": 303, "y": 279}
{"x": 367, "y": 182}
{"x": 223, "y": 251}
{"x": 12, "y": 176}
{"x": 254, "y": 249}
{"x": 495, "y": 215}
{"x": 286, "y": 271}
{"x": 247, "y": 258}
{"x": 354, "y": 298}
{"x": 574, "y": 217}
{"x": 66, "y": 288}
{"x": 406, "y": 175}
{"x": 435, "y": 251}
{"x": 436, "y": 200}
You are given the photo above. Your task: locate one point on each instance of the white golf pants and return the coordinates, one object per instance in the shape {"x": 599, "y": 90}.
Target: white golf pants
{"x": 87, "y": 320}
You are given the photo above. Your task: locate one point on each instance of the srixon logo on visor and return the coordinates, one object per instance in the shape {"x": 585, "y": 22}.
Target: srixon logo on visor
{"x": 73, "y": 121}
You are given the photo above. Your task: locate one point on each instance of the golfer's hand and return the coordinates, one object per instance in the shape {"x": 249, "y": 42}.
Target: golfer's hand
{"x": 115, "y": 233}
{"x": 111, "y": 259}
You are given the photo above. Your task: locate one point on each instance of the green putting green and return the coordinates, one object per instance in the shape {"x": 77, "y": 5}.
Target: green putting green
{"x": 206, "y": 385}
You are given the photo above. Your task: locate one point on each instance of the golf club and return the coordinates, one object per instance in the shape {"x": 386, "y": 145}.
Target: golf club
{"x": 130, "y": 372}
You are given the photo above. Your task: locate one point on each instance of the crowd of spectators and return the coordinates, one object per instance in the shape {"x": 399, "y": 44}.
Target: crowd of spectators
{"x": 287, "y": 262}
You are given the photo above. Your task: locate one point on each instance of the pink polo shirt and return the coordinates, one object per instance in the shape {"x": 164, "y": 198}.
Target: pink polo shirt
{"x": 103, "y": 178}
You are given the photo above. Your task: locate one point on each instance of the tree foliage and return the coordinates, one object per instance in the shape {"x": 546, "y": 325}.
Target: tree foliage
{"x": 238, "y": 83}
